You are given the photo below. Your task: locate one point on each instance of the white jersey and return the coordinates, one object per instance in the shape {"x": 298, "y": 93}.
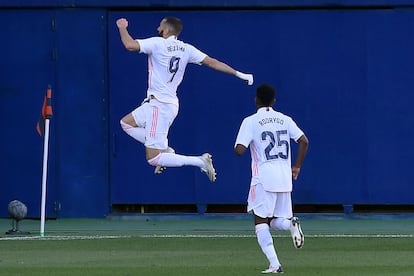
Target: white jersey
{"x": 268, "y": 134}
{"x": 167, "y": 60}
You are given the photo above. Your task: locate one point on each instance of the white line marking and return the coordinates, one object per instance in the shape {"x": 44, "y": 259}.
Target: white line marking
{"x": 307, "y": 236}
{"x": 362, "y": 236}
{"x": 97, "y": 237}
{"x": 60, "y": 238}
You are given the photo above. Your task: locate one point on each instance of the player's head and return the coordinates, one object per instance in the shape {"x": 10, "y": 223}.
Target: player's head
{"x": 170, "y": 26}
{"x": 265, "y": 95}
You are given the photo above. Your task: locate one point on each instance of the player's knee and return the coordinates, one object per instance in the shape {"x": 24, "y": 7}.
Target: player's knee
{"x": 153, "y": 156}
{"x": 154, "y": 161}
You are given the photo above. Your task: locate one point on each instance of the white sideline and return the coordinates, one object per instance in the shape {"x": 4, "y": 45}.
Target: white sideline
{"x": 96, "y": 237}
{"x": 307, "y": 236}
{"x": 60, "y": 238}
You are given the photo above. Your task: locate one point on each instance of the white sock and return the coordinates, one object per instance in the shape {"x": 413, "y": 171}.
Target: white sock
{"x": 138, "y": 133}
{"x": 265, "y": 240}
{"x": 166, "y": 159}
{"x": 280, "y": 224}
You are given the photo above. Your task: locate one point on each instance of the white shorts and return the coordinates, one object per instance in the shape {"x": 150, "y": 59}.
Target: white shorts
{"x": 269, "y": 204}
{"x": 156, "y": 117}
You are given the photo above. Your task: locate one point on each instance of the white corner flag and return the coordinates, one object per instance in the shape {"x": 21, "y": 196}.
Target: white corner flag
{"x": 42, "y": 128}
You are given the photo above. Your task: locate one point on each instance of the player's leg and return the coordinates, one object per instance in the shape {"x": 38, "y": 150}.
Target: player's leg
{"x": 130, "y": 127}
{"x": 284, "y": 220}
{"x": 265, "y": 241}
{"x": 204, "y": 162}
{"x": 160, "y": 119}
{"x": 159, "y": 169}
{"x": 280, "y": 224}
{"x": 282, "y": 213}
{"x": 258, "y": 203}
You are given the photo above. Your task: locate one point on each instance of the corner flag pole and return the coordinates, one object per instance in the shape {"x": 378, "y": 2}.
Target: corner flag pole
{"x": 42, "y": 127}
{"x": 44, "y": 178}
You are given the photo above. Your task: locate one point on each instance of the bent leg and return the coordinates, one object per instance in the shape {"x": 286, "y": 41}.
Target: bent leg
{"x": 129, "y": 125}
{"x": 280, "y": 224}
{"x": 166, "y": 159}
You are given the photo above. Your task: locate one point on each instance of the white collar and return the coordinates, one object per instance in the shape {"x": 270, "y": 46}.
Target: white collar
{"x": 262, "y": 109}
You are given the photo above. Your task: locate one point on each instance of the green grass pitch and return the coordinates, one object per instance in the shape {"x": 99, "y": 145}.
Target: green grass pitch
{"x": 210, "y": 247}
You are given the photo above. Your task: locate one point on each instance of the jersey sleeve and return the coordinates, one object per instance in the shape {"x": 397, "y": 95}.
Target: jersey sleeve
{"x": 294, "y": 131}
{"x": 147, "y": 45}
{"x": 195, "y": 55}
{"x": 244, "y": 136}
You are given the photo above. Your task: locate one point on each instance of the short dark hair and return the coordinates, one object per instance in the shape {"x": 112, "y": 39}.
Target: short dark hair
{"x": 175, "y": 24}
{"x": 266, "y": 93}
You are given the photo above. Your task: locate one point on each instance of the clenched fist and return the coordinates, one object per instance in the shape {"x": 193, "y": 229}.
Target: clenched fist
{"x": 122, "y": 23}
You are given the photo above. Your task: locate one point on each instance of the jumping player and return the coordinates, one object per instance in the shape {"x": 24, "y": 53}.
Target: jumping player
{"x": 268, "y": 133}
{"x": 167, "y": 60}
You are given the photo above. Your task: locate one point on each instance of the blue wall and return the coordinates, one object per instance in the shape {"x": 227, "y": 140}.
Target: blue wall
{"x": 345, "y": 75}
{"x": 66, "y": 49}
{"x": 332, "y": 78}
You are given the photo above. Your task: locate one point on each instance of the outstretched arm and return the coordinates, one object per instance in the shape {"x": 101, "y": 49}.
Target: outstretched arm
{"x": 303, "y": 148}
{"x": 129, "y": 43}
{"x": 222, "y": 67}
